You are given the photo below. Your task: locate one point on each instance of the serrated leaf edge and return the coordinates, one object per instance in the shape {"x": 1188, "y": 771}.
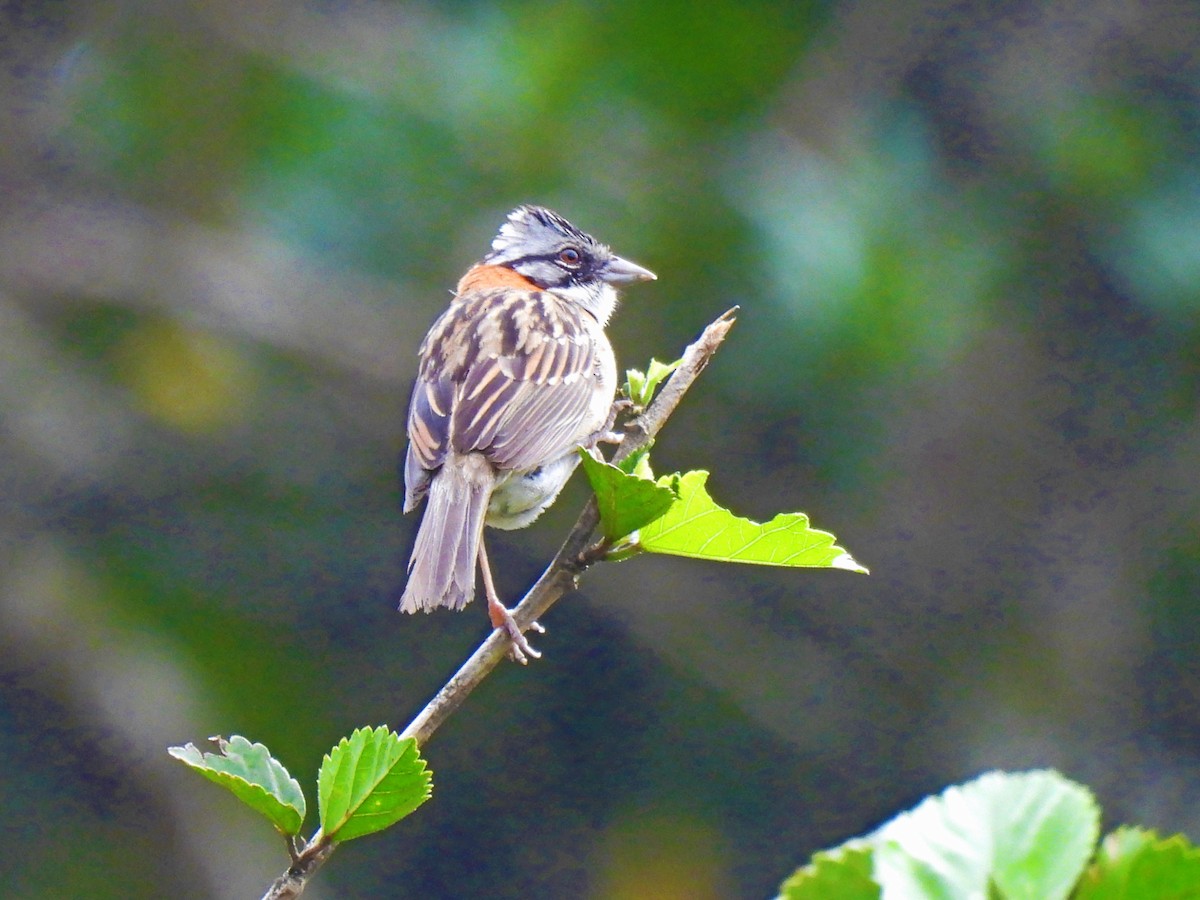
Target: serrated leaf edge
{"x": 780, "y": 522}
{"x": 377, "y": 739}
{"x": 203, "y": 762}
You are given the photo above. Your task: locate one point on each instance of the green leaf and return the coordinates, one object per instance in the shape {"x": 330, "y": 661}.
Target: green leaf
{"x": 638, "y": 463}
{"x": 841, "y": 874}
{"x": 641, "y": 386}
{"x": 253, "y": 776}
{"x": 1024, "y": 836}
{"x": 696, "y": 526}
{"x": 626, "y": 502}
{"x": 369, "y": 781}
{"x": 1133, "y": 863}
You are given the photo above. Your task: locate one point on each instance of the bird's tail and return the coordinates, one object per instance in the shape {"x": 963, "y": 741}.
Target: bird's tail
{"x": 441, "y": 571}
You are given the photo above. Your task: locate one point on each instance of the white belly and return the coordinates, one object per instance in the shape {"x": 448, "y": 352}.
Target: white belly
{"x": 522, "y": 497}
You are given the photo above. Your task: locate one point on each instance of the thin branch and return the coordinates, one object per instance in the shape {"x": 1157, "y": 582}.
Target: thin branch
{"x": 291, "y": 883}
{"x": 562, "y": 575}
{"x": 560, "y": 578}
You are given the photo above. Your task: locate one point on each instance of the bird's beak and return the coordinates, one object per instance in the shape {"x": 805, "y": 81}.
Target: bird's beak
{"x": 622, "y": 271}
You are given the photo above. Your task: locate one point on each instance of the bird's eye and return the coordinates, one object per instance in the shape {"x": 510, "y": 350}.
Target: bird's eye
{"x": 569, "y": 255}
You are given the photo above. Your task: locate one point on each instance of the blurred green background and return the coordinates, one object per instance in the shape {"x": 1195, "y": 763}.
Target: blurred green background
{"x": 966, "y": 242}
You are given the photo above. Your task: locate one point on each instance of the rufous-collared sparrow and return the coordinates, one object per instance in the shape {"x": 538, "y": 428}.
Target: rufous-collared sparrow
{"x": 514, "y": 376}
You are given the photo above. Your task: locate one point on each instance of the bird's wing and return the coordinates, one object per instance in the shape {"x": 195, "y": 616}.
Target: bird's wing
{"x": 513, "y": 380}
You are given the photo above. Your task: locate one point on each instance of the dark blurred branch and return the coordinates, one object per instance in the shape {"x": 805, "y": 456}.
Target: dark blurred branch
{"x": 560, "y": 577}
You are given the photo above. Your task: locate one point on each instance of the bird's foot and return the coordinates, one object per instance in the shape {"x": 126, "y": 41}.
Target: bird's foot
{"x": 519, "y": 650}
{"x": 606, "y": 433}
{"x": 592, "y": 448}
{"x": 620, "y": 405}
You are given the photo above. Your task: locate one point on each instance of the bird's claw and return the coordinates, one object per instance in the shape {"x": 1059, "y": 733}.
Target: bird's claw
{"x": 519, "y": 650}
{"x": 606, "y": 433}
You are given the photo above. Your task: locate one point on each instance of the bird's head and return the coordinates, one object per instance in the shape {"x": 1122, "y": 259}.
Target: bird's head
{"x": 542, "y": 246}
